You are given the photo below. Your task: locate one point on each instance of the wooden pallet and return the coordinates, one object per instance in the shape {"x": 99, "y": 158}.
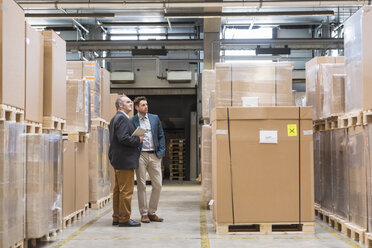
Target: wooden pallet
{"x": 100, "y": 203}
{"x": 72, "y": 218}
{"x": 33, "y": 127}
{"x": 337, "y": 223}
{"x": 351, "y": 120}
{"x": 9, "y": 113}
{"x": 367, "y": 117}
{"x": 46, "y": 237}
{"x": 76, "y": 136}
{"x": 323, "y": 215}
{"x": 265, "y": 228}
{"x": 176, "y": 178}
{"x": 319, "y": 125}
{"x": 355, "y": 233}
{"x": 368, "y": 240}
{"x": 331, "y": 123}
{"x": 51, "y": 122}
{"x": 99, "y": 122}
{"x": 19, "y": 244}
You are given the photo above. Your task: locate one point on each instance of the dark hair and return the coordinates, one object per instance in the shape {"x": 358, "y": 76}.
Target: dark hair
{"x": 138, "y": 99}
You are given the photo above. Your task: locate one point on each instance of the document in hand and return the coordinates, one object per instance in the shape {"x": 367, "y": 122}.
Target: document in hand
{"x": 139, "y": 132}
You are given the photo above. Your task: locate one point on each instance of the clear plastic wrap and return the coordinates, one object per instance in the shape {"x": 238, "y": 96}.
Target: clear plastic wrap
{"x": 206, "y": 166}
{"x": 357, "y": 39}
{"x": 368, "y": 160}
{"x": 317, "y": 169}
{"x": 99, "y": 177}
{"x": 92, "y": 72}
{"x": 340, "y": 176}
{"x": 208, "y": 85}
{"x": 105, "y": 161}
{"x": 314, "y": 83}
{"x": 43, "y": 184}
{"x": 251, "y": 84}
{"x": 78, "y": 107}
{"x": 326, "y": 171}
{"x": 12, "y": 182}
{"x": 357, "y": 176}
{"x": 338, "y": 94}
{"x": 328, "y": 71}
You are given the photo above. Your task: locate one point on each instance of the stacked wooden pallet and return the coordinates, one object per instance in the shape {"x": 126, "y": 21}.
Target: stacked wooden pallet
{"x": 177, "y": 148}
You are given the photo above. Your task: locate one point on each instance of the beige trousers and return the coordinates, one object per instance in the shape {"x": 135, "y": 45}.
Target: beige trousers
{"x": 123, "y": 192}
{"x": 152, "y": 164}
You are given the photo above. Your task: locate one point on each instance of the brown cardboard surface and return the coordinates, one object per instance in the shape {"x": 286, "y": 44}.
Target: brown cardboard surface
{"x": 68, "y": 177}
{"x": 338, "y": 94}
{"x": 34, "y": 75}
{"x": 82, "y": 176}
{"x": 251, "y": 174}
{"x": 54, "y": 75}
{"x": 74, "y": 70}
{"x": 78, "y": 107}
{"x": 12, "y": 54}
{"x": 105, "y": 94}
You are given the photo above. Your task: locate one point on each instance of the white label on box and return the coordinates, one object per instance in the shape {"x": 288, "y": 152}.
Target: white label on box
{"x": 268, "y": 136}
{"x": 308, "y": 132}
{"x": 70, "y": 71}
{"x": 221, "y": 132}
{"x": 211, "y": 202}
{"x": 250, "y": 101}
{"x": 28, "y": 41}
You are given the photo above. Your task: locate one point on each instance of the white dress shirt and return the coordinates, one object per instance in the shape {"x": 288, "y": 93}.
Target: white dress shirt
{"x": 124, "y": 113}
{"x": 148, "y": 142}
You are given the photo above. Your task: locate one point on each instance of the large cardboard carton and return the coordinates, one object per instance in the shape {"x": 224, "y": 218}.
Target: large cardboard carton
{"x": 54, "y": 75}
{"x": 314, "y": 82}
{"x": 12, "y": 54}
{"x": 34, "y": 75}
{"x": 105, "y": 94}
{"x": 82, "y": 175}
{"x": 69, "y": 178}
{"x": 208, "y": 85}
{"x": 262, "y": 157}
{"x": 358, "y": 60}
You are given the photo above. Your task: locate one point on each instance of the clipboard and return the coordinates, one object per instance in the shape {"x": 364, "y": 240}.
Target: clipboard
{"x": 139, "y": 132}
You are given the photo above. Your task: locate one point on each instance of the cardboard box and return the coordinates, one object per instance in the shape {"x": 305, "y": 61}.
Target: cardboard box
{"x": 253, "y": 85}
{"x": 105, "y": 94}
{"x": 34, "y": 75}
{"x": 314, "y": 82}
{"x": 206, "y": 159}
{"x": 82, "y": 175}
{"x": 12, "y": 54}
{"x": 54, "y": 75}
{"x": 69, "y": 178}
{"x": 358, "y": 60}
{"x": 78, "y": 108}
{"x": 248, "y": 184}
{"x": 88, "y": 70}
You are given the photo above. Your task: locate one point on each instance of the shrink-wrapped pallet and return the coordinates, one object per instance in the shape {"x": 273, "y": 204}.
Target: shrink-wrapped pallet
{"x": 254, "y": 84}
{"x": 78, "y": 107}
{"x": 208, "y": 85}
{"x": 317, "y": 169}
{"x": 12, "y": 183}
{"x": 326, "y": 171}
{"x": 206, "y": 167}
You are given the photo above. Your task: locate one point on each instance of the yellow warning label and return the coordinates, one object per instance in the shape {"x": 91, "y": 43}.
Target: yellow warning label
{"x": 292, "y": 129}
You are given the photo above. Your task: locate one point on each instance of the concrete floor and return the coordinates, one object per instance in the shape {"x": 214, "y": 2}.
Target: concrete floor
{"x": 184, "y": 226}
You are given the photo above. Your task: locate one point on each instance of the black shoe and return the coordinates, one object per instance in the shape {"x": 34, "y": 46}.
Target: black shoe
{"x": 130, "y": 223}
{"x": 115, "y": 223}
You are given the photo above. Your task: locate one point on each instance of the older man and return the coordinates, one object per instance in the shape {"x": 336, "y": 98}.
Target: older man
{"x": 123, "y": 155}
{"x": 152, "y": 150}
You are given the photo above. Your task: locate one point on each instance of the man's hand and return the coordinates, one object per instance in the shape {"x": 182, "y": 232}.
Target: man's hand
{"x": 141, "y": 138}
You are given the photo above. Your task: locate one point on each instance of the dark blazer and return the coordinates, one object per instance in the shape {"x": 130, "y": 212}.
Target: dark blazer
{"x": 157, "y": 133}
{"x": 123, "y": 151}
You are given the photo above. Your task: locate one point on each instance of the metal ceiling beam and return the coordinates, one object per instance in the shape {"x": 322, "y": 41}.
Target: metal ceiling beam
{"x": 183, "y": 4}
{"x": 156, "y": 34}
{"x": 67, "y": 16}
{"x": 148, "y": 24}
{"x": 248, "y": 14}
{"x": 197, "y": 44}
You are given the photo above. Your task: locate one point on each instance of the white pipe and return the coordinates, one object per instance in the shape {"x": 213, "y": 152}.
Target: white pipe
{"x": 125, "y": 5}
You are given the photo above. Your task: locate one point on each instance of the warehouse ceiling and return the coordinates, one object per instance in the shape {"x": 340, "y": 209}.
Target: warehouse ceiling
{"x": 159, "y": 23}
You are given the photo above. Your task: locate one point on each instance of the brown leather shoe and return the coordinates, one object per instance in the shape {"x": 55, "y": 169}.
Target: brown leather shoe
{"x": 155, "y": 218}
{"x": 145, "y": 219}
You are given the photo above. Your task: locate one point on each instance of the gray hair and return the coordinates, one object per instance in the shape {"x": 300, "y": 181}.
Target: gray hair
{"x": 118, "y": 102}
